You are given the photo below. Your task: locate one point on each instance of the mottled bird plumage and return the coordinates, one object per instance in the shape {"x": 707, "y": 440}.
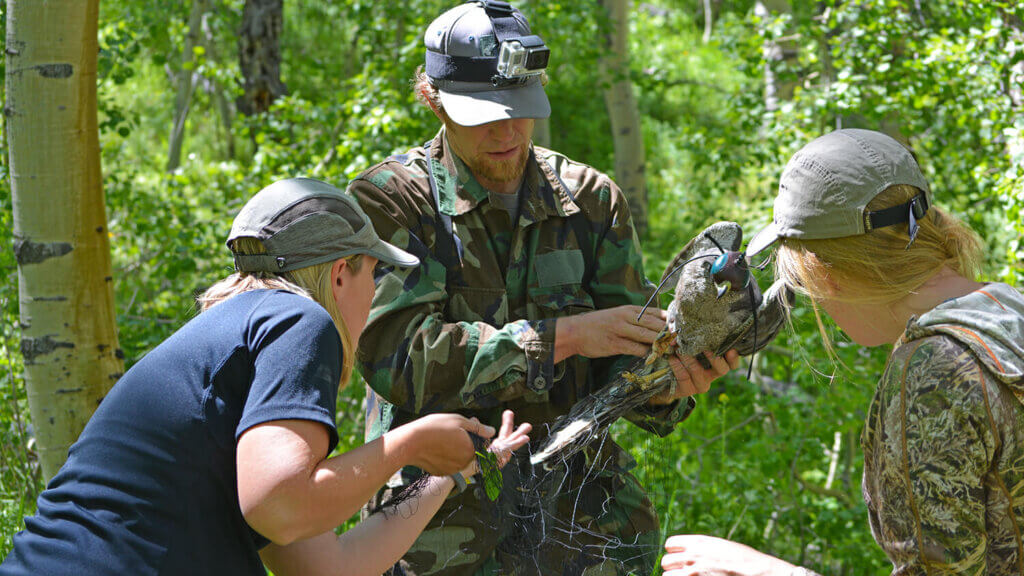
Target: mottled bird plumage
{"x": 703, "y": 316}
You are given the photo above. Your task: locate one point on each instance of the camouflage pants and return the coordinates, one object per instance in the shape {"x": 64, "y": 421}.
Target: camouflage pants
{"x": 570, "y": 524}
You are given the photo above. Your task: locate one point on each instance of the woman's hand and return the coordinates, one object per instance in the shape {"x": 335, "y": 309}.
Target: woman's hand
{"x": 376, "y": 543}
{"x": 439, "y": 444}
{"x": 693, "y": 555}
{"x": 510, "y": 438}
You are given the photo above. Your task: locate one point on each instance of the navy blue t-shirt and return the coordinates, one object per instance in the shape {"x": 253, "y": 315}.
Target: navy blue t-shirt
{"x": 150, "y": 486}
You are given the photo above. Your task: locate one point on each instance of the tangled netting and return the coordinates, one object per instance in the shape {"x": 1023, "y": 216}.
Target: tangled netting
{"x": 550, "y": 512}
{"x": 559, "y": 508}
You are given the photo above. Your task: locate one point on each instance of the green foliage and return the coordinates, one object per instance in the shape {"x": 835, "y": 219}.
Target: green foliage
{"x": 490, "y": 472}
{"x": 753, "y": 461}
{"x": 20, "y": 476}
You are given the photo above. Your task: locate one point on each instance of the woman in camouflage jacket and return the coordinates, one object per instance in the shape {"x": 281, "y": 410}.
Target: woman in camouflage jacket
{"x": 944, "y": 438}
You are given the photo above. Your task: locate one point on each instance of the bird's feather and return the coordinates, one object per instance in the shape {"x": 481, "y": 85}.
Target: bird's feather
{"x": 700, "y": 320}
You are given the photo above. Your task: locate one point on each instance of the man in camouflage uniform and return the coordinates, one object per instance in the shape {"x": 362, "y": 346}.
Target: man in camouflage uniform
{"x": 528, "y": 294}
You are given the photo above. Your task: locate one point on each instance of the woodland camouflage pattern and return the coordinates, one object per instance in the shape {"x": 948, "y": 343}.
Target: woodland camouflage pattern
{"x": 944, "y": 440}
{"x": 480, "y": 338}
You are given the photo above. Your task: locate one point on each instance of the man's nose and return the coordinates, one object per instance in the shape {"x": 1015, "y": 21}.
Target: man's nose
{"x": 502, "y": 130}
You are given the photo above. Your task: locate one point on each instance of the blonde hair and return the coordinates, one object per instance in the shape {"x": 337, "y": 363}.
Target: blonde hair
{"x": 313, "y": 282}
{"x": 878, "y": 267}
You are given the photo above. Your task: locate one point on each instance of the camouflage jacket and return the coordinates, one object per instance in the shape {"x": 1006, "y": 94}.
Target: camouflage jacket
{"x": 478, "y": 337}
{"x": 944, "y": 440}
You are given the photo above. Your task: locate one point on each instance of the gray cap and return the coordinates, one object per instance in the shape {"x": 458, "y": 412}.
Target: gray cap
{"x": 302, "y": 222}
{"x": 466, "y": 31}
{"x": 826, "y": 186}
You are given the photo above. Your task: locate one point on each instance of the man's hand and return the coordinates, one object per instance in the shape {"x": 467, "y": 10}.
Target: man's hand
{"x": 692, "y": 378}
{"x": 608, "y": 332}
{"x": 614, "y": 331}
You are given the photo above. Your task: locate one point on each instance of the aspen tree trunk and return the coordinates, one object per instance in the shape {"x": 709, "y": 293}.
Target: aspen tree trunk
{"x": 773, "y": 54}
{"x": 708, "y": 21}
{"x": 1015, "y": 80}
{"x": 259, "y": 55}
{"x": 630, "y": 160}
{"x": 217, "y": 91}
{"x": 187, "y": 79}
{"x": 61, "y": 243}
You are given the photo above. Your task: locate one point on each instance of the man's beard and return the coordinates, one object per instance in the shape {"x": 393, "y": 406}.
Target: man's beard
{"x": 499, "y": 171}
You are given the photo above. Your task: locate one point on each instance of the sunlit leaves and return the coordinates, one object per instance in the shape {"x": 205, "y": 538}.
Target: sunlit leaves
{"x": 940, "y": 73}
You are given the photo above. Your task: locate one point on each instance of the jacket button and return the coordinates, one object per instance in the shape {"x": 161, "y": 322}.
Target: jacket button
{"x": 538, "y": 383}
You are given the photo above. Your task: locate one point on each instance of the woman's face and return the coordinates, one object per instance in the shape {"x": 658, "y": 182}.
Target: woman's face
{"x": 354, "y": 294}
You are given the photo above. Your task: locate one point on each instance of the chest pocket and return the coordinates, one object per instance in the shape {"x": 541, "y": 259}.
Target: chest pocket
{"x": 470, "y": 304}
{"x": 560, "y": 282}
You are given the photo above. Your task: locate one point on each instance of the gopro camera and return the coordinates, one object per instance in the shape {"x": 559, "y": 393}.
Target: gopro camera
{"x": 522, "y": 57}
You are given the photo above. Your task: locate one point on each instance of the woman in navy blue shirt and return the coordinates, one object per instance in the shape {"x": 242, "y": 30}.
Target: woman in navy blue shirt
{"x": 212, "y": 451}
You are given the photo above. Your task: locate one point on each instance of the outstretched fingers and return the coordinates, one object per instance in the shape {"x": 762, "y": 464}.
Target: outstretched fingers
{"x": 692, "y": 554}
{"x": 511, "y": 438}
{"x": 507, "y": 422}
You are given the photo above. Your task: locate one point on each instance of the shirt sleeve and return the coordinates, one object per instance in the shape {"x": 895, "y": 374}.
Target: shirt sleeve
{"x": 408, "y": 353}
{"x": 930, "y": 447}
{"x": 619, "y": 279}
{"x": 297, "y": 360}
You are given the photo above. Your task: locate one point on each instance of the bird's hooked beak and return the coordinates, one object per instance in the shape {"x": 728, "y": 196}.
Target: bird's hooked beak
{"x": 730, "y": 272}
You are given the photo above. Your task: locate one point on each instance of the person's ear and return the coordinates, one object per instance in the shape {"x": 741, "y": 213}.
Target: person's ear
{"x": 433, "y": 104}
{"x": 337, "y": 277}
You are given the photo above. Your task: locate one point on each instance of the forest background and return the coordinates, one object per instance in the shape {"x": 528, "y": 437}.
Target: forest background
{"x": 722, "y": 92}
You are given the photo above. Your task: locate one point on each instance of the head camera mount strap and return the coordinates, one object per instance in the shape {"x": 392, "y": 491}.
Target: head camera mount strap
{"x": 506, "y": 27}
{"x": 503, "y": 20}
{"x": 460, "y": 68}
{"x": 479, "y": 68}
{"x": 909, "y": 212}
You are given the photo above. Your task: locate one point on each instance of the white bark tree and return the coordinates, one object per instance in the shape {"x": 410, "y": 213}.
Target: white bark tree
{"x": 187, "y": 78}
{"x": 630, "y": 159}
{"x": 69, "y": 337}
{"x": 774, "y": 55}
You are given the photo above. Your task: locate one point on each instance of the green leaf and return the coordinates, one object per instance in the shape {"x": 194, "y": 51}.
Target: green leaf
{"x": 488, "y": 463}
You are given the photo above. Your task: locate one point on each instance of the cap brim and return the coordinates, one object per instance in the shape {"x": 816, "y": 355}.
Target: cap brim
{"x": 392, "y": 255}
{"x": 476, "y": 108}
{"x": 763, "y": 239}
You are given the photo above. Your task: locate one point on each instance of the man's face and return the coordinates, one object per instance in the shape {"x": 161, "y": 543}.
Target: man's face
{"x": 495, "y": 152}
